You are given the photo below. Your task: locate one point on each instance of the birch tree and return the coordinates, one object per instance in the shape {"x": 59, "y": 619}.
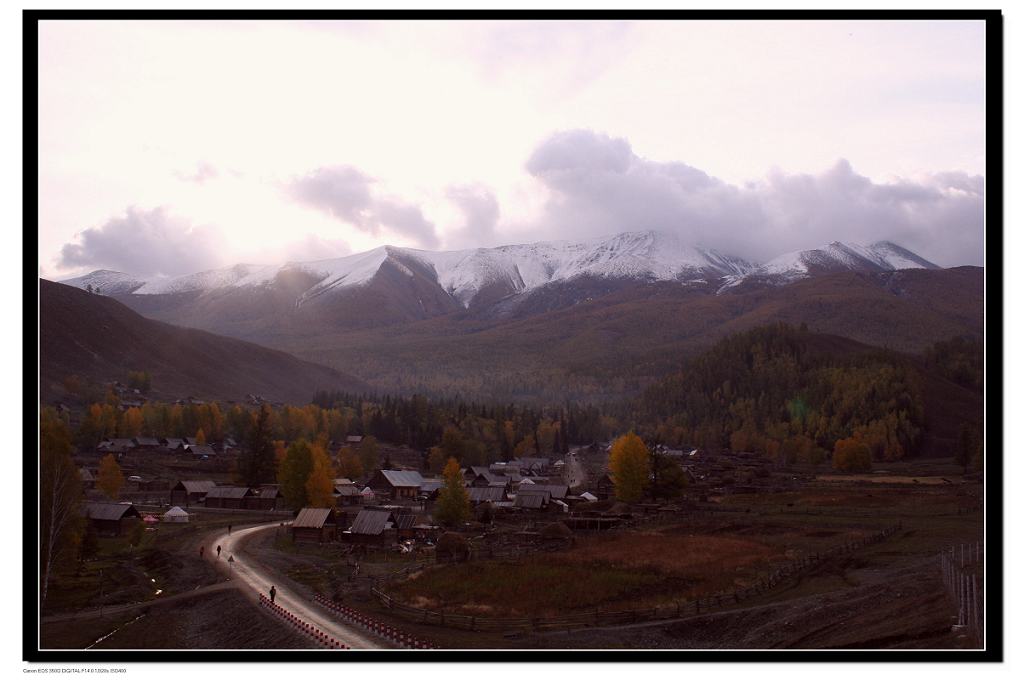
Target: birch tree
{"x": 60, "y": 495}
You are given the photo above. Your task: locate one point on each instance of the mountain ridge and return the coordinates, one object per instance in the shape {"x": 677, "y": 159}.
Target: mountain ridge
{"x": 99, "y": 339}
{"x": 483, "y": 276}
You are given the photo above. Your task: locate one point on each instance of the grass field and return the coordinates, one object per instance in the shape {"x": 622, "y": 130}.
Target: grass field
{"x": 622, "y": 570}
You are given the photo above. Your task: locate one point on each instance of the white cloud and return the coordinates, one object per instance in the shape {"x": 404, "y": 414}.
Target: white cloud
{"x": 598, "y": 185}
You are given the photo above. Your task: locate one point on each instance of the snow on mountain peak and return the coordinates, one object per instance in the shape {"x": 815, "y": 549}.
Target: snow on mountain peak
{"x": 519, "y": 268}
{"x": 838, "y": 256}
{"x": 107, "y": 282}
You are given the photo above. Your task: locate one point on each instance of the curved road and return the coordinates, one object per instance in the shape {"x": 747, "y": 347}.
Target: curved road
{"x": 246, "y": 574}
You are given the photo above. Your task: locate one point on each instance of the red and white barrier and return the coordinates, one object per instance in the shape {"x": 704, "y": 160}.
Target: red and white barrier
{"x": 373, "y": 626}
{"x": 302, "y": 626}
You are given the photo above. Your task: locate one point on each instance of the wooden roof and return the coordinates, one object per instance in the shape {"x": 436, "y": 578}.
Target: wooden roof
{"x": 371, "y": 521}
{"x": 229, "y": 493}
{"x": 195, "y": 486}
{"x": 98, "y": 510}
{"x": 313, "y": 517}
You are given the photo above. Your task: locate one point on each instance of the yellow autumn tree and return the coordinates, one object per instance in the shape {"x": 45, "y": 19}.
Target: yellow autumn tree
{"x": 453, "y": 507}
{"x": 110, "y": 478}
{"x": 630, "y": 467}
{"x": 349, "y": 464}
{"x": 131, "y": 425}
{"x": 851, "y": 456}
{"x": 320, "y": 484}
{"x": 200, "y": 437}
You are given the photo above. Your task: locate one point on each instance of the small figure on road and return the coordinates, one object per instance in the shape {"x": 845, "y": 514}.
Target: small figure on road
{"x": 273, "y": 593}
{"x": 229, "y": 529}
{"x": 201, "y": 549}
{"x": 231, "y": 561}
{"x": 218, "y": 551}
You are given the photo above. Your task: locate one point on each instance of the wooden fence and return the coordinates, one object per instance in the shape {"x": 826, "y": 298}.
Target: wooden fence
{"x": 961, "y": 566}
{"x": 599, "y": 618}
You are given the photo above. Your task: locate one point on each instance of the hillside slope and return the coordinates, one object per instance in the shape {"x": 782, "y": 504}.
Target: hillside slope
{"x": 100, "y": 340}
{"x": 621, "y": 339}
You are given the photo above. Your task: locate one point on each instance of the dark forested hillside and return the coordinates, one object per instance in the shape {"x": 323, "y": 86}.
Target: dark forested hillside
{"x": 616, "y": 344}
{"x": 791, "y": 394}
{"x": 97, "y": 339}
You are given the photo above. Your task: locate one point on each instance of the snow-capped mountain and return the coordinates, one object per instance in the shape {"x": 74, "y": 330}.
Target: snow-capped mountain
{"x": 483, "y": 276}
{"x": 880, "y": 256}
{"x": 239, "y": 275}
{"x": 645, "y": 256}
{"x": 107, "y": 282}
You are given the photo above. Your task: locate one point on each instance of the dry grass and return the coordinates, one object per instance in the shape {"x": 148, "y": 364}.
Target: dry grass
{"x": 690, "y": 556}
{"x": 895, "y": 479}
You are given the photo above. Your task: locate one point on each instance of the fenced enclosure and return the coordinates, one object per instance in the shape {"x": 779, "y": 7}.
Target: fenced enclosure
{"x": 599, "y": 618}
{"x": 963, "y": 577}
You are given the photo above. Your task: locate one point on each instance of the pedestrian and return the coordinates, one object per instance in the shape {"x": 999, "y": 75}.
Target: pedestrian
{"x": 201, "y": 549}
{"x": 218, "y": 551}
{"x": 273, "y": 593}
{"x": 229, "y": 529}
{"x": 231, "y": 561}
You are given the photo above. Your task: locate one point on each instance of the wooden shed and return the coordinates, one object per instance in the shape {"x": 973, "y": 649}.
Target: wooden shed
{"x": 373, "y": 525}
{"x": 188, "y": 492}
{"x": 228, "y": 497}
{"x": 111, "y": 519}
{"x": 315, "y": 525}
{"x": 396, "y": 484}
{"x": 265, "y": 498}
{"x": 479, "y": 495}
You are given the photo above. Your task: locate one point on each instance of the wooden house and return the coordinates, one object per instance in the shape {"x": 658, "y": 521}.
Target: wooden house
{"x": 530, "y": 500}
{"x": 485, "y": 478}
{"x": 346, "y": 493}
{"x": 173, "y": 444}
{"x": 555, "y": 491}
{"x": 315, "y": 525}
{"x": 605, "y": 488}
{"x": 480, "y": 495}
{"x": 187, "y": 492}
{"x": 110, "y": 519}
{"x": 430, "y": 489}
{"x": 373, "y": 525}
{"x": 396, "y": 484}
{"x": 117, "y": 445}
{"x": 265, "y": 498}
{"x": 201, "y": 451}
{"x": 146, "y": 444}
{"x": 228, "y": 497}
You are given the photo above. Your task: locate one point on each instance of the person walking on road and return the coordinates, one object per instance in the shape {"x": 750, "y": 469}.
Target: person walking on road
{"x": 218, "y": 551}
{"x": 273, "y": 593}
{"x": 201, "y": 549}
{"x": 229, "y": 529}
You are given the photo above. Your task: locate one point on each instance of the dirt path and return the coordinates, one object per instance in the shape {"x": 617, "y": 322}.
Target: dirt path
{"x": 254, "y": 579}
{"x": 575, "y": 473}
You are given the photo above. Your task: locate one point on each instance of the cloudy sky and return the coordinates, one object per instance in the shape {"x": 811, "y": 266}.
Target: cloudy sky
{"x": 172, "y": 147}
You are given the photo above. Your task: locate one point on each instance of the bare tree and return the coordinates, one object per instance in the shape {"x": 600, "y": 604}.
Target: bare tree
{"x": 60, "y": 495}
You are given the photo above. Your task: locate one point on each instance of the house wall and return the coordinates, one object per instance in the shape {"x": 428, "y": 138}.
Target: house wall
{"x": 225, "y": 503}
{"x": 314, "y": 535}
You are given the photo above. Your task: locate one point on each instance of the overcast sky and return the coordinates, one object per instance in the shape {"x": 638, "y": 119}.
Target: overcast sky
{"x": 171, "y": 147}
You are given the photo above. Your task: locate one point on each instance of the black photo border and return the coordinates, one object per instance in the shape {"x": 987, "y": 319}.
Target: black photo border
{"x": 994, "y": 284}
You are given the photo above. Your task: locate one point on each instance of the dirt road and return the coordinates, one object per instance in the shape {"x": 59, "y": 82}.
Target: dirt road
{"x": 575, "y": 473}
{"x": 246, "y": 573}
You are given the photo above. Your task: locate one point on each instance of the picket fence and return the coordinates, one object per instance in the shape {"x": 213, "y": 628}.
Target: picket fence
{"x": 960, "y": 569}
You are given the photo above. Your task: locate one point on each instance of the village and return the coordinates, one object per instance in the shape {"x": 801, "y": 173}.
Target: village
{"x": 547, "y": 545}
